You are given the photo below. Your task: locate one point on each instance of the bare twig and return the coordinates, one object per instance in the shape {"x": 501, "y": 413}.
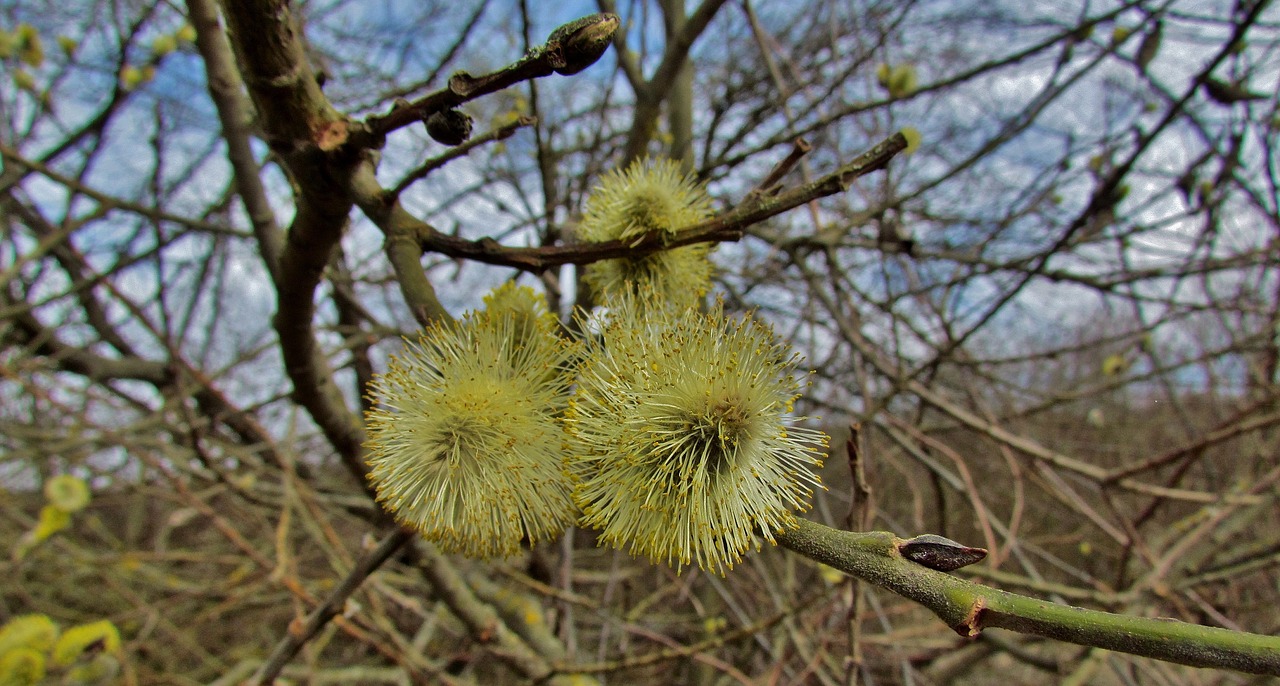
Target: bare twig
{"x": 463, "y": 86}
{"x": 730, "y": 226}
{"x": 296, "y": 637}
{"x": 799, "y": 148}
{"x": 861, "y": 511}
{"x": 500, "y": 133}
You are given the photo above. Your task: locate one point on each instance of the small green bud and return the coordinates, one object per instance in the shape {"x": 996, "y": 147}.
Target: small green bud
{"x": 186, "y": 34}
{"x": 1114, "y": 365}
{"x": 68, "y": 45}
{"x": 24, "y": 80}
{"x": 163, "y": 45}
{"x": 30, "y": 50}
{"x": 67, "y": 493}
{"x": 902, "y": 81}
{"x": 130, "y": 77}
{"x": 912, "y": 134}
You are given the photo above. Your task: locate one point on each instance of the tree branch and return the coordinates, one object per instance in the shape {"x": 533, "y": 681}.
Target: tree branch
{"x": 333, "y": 605}
{"x": 501, "y": 133}
{"x": 968, "y": 608}
{"x": 308, "y": 133}
{"x": 730, "y": 226}
{"x": 651, "y": 93}
{"x": 235, "y": 113}
{"x": 462, "y": 87}
{"x": 400, "y": 229}
{"x": 486, "y": 626}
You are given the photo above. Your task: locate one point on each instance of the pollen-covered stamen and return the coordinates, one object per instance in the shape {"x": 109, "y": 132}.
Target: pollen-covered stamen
{"x": 684, "y": 449}
{"x": 465, "y": 444}
{"x": 650, "y": 195}
{"x": 712, "y": 438}
{"x": 646, "y": 211}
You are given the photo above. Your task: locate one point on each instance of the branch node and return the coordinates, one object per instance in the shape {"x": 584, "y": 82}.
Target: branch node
{"x": 971, "y": 625}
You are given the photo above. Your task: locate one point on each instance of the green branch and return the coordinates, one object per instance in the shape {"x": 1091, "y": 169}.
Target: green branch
{"x": 968, "y": 608}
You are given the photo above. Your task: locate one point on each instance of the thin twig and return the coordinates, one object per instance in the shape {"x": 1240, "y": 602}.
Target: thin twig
{"x": 294, "y": 639}
{"x": 500, "y": 133}
{"x": 799, "y": 148}
{"x": 463, "y": 87}
{"x": 730, "y": 226}
{"x": 858, "y": 519}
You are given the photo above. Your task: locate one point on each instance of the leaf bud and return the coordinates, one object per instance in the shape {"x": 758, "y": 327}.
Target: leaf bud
{"x": 449, "y": 127}
{"x": 163, "y": 45}
{"x": 578, "y": 44}
{"x": 943, "y": 554}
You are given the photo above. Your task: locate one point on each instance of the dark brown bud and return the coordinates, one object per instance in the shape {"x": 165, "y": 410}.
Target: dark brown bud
{"x": 578, "y": 44}
{"x": 1229, "y": 93}
{"x": 449, "y": 127}
{"x": 943, "y": 554}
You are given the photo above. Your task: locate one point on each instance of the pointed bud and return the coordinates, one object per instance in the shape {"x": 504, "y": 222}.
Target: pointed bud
{"x": 943, "y": 554}
{"x": 578, "y": 44}
{"x": 1229, "y": 93}
{"x": 1150, "y": 46}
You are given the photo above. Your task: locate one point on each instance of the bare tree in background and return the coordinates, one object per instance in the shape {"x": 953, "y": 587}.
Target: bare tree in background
{"x": 1055, "y": 326}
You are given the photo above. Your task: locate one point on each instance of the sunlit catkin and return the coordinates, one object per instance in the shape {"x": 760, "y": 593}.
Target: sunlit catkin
{"x": 465, "y": 445}
{"x": 650, "y": 196}
{"x": 684, "y": 443}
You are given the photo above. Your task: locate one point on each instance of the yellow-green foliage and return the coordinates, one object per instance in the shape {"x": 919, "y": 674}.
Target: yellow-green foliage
{"x": 101, "y": 635}
{"x": 67, "y": 493}
{"x": 21, "y": 667}
{"x": 37, "y": 632}
{"x": 32, "y": 649}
